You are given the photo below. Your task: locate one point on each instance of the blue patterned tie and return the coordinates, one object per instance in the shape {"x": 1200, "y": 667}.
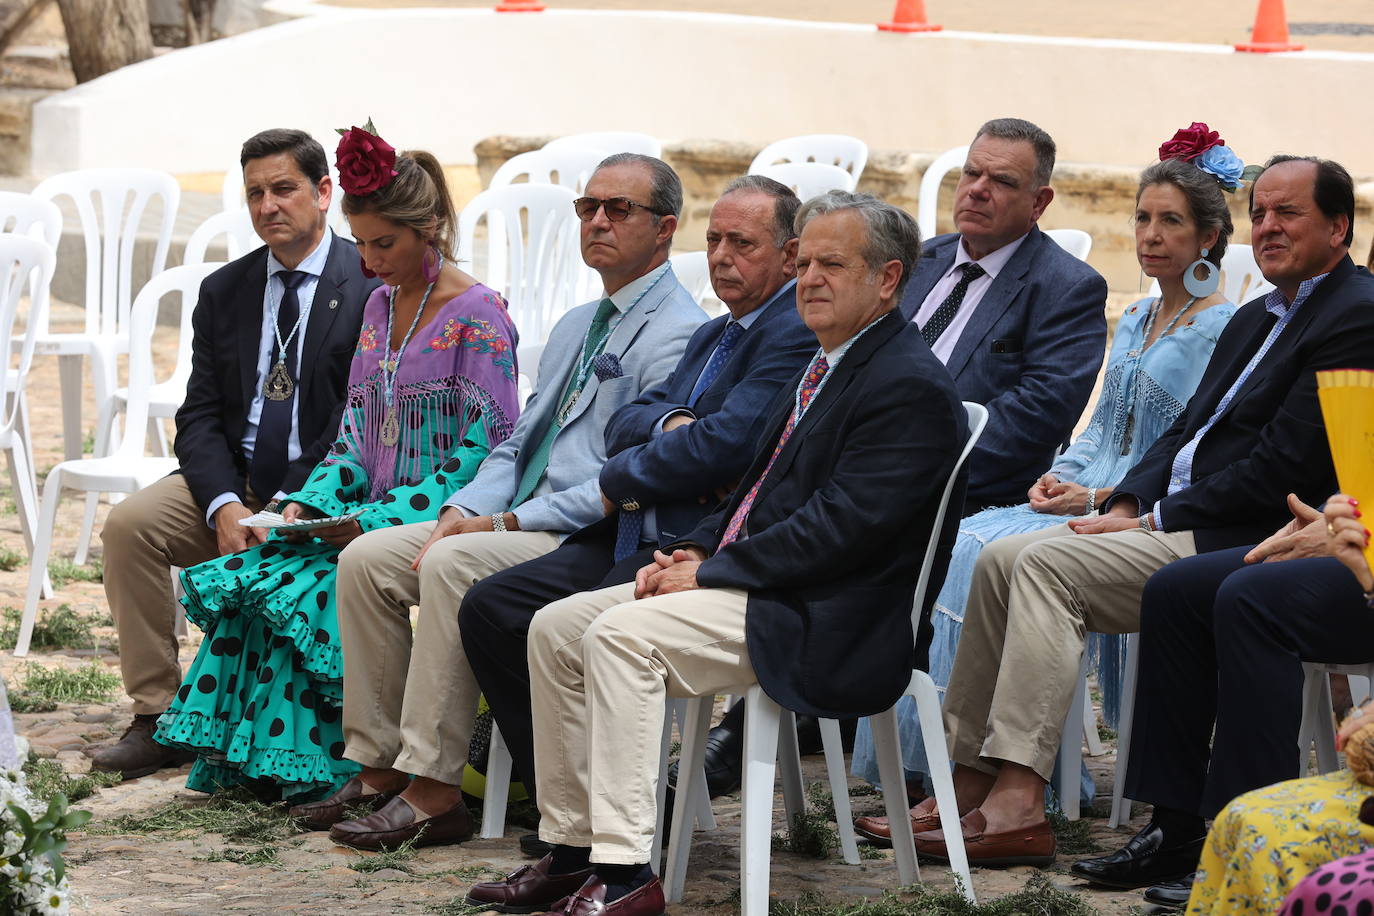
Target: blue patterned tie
{"x": 628, "y": 530}
{"x": 719, "y": 357}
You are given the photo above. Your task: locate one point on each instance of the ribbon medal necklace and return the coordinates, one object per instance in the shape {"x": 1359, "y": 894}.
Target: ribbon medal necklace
{"x": 391, "y": 424}
{"x": 279, "y": 385}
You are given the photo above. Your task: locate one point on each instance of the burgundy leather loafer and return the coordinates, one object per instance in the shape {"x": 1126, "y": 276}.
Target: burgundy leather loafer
{"x": 878, "y": 830}
{"x": 1033, "y": 845}
{"x": 528, "y": 889}
{"x": 395, "y": 823}
{"x": 322, "y": 815}
{"x": 590, "y": 900}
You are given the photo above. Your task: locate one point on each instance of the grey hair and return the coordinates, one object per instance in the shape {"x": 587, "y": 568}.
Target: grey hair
{"x": 785, "y": 203}
{"x": 665, "y": 188}
{"x": 1203, "y": 193}
{"x": 1026, "y": 132}
{"x": 892, "y": 233}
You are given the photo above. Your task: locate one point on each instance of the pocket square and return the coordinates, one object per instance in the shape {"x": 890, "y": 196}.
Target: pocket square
{"x": 607, "y": 366}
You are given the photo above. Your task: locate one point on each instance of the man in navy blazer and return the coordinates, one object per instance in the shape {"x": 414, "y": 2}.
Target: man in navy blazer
{"x": 1016, "y": 320}
{"x": 673, "y": 450}
{"x": 802, "y": 582}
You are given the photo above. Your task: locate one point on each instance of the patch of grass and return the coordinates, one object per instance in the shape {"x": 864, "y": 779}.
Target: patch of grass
{"x": 236, "y": 816}
{"x": 458, "y": 906}
{"x": 41, "y": 689}
{"x": 863, "y": 789}
{"x": 62, "y": 571}
{"x": 1038, "y": 898}
{"x": 819, "y": 798}
{"x": 1072, "y": 838}
{"x": 10, "y": 560}
{"x": 522, "y": 813}
{"x": 266, "y": 854}
{"x": 46, "y": 779}
{"x": 56, "y": 628}
{"x": 1105, "y": 733}
{"x": 810, "y": 835}
{"x": 398, "y": 858}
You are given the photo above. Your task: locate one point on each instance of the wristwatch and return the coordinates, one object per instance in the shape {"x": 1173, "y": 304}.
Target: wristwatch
{"x": 1147, "y": 523}
{"x": 272, "y": 505}
{"x": 498, "y": 521}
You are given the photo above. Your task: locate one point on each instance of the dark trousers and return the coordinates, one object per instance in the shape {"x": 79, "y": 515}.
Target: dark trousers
{"x": 495, "y": 622}
{"x": 1222, "y": 645}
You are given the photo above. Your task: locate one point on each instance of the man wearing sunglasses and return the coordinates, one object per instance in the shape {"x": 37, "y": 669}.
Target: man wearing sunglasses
{"x": 410, "y": 698}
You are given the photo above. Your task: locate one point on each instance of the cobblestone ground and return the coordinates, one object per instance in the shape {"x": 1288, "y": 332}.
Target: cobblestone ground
{"x": 185, "y": 872}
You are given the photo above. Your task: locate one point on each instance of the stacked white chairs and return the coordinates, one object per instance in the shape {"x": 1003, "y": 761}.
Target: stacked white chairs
{"x": 1075, "y": 241}
{"x": 809, "y": 179}
{"x": 569, "y": 166}
{"x": 928, "y": 196}
{"x": 26, "y": 265}
{"x": 770, "y": 734}
{"x": 110, "y": 204}
{"x": 1241, "y": 279}
{"x": 612, "y": 141}
{"x": 849, "y": 153}
{"x": 126, "y": 469}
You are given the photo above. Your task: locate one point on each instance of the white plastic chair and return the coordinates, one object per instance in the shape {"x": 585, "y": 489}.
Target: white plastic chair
{"x": 1318, "y": 726}
{"x": 928, "y": 196}
{"x": 532, "y": 251}
{"x": 1075, "y": 241}
{"x": 110, "y": 204}
{"x": 24, "y": 262}
{"x": 1241, "y": 279}
{"x": 849, "y": 153}
{"x": 235, "y": 225}
{"x": 809, "y": 179}
{"x": 612, "y": 141}
{"x": 694, "y": 273}
{"x": 770, "y": 732}
{"x": 569, "y": 166}
{"x": 164, "y": 397}
{"x": 125, "y": 469}
{"x": 1121, "y": 807}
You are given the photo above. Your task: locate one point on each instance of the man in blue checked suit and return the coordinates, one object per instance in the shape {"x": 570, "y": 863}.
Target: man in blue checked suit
{"x": 410, "y": 698}
{"x": 675, "y": 450}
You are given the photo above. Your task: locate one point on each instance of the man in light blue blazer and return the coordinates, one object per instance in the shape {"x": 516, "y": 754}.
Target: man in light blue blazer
{"x": 410, "y": 699}
{"x": 1018, "y": 321}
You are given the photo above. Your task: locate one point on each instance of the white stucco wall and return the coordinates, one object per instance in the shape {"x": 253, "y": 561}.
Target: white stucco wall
{"x": 443, "y": 79}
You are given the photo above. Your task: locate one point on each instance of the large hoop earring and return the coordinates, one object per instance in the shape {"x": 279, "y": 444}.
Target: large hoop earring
{"x": 1202, "y": 287}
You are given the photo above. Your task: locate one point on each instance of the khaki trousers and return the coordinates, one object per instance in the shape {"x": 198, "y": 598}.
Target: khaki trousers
{"x": 601, "y": 666}
{"x": 1033, "y": 599}
{"x": 410, "y": 699}
{"x": 151, "y": 531}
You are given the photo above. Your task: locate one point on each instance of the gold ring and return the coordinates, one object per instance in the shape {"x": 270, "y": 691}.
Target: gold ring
{"x": 1330, "y": 529}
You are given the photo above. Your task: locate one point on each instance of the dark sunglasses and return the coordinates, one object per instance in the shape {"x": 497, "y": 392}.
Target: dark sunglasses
{"x": 617, "y": 208}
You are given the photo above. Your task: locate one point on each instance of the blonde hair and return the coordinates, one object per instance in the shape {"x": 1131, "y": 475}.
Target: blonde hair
{"x": 416, "y": 197}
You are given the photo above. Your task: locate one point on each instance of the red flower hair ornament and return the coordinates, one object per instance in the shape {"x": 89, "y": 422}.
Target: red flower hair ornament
{"x": 365, "y": 161}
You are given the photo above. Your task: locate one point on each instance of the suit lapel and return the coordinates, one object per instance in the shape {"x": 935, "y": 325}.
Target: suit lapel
{"x": 783, "y": 300}
{"x": 692, "y": 364}
{"x": 330, "y": 293}
{"x": 1010, "y": 280}
{"x": 929, "y": 269}
{"x": 249, "y": 309}
{"x": 622, "y": 337}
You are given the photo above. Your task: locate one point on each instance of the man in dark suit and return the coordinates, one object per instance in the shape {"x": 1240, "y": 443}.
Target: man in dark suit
{"x": 1216, "y": 479}
{"x": 674, "y": 449}
{"x": 1223, "y": 635}
{"x": 807, "y": 568}
{"x": 274, "y": 334}
{"x": 1016, "y": 320}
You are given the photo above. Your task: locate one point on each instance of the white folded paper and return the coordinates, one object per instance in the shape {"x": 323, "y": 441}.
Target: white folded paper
{"x": 274, "y": 520}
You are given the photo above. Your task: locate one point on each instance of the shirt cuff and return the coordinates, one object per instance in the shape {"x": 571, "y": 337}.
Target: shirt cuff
{"x": 221, "y": 500}
{"x": 658, "y": 427}
{"x": 1156, "y": 517}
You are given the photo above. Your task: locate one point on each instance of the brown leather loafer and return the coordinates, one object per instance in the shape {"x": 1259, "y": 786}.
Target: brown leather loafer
{"x": 136, "y": 754}
{"x": 878, "y": 830}
{"x": 590, "y": 900}
{"x": 1033, "y": 845}
{"x": 395, "y": 823}
{"x": 322, "y": 815}
{"x": 528, "y": 889}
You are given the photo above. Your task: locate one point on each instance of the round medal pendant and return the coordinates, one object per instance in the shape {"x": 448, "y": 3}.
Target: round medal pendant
{"x": 278, "y": 386}
{"x": 391, "y": 428}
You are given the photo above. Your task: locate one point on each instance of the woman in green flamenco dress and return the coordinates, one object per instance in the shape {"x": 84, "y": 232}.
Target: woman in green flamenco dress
{"x": 432, "y": 389}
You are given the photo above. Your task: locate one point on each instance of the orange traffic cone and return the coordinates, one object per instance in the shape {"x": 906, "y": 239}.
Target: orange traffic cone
{"x": 1271, "y": 29}
{"x": 519, "y": 6}
{"x": 909, "y": 16}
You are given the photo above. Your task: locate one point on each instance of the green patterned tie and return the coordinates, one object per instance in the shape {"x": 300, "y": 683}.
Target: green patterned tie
{"x": 591, "y": 346}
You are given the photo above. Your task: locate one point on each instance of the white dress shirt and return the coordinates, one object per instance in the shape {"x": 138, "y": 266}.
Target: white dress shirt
{"x": 992, "y": 265}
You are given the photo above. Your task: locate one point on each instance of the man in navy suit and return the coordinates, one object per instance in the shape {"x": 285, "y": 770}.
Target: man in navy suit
{"x": 1016, "y": 320}
{"x": 674, "y": 450}
{"x": 802, "y": 582}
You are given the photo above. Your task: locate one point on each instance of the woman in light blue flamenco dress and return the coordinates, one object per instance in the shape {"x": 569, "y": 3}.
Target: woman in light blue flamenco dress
{"x": 1158, "y": 353}
{"x": 432, "y": 389}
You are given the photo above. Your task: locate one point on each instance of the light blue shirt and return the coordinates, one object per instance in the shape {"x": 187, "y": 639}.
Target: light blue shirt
{"x": 312, "y": 265}
{"x": 1181, "y": 473}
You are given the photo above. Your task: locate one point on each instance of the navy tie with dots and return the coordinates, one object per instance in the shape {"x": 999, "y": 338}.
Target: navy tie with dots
{"x": 274, "y": 423}
{"x": 719, "y": 357}
{"x": 945, "y": 313}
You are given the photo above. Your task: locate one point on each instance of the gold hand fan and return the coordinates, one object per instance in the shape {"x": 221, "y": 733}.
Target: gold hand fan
{"x": 1347, "y": 399}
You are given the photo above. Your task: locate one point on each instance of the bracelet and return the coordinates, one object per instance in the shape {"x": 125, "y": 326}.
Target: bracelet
{"x": 498, "y": 521}
{"x": 1092, "y": 501}
{"x": 272, "y": 505}
{"x": 1147, "y": 523}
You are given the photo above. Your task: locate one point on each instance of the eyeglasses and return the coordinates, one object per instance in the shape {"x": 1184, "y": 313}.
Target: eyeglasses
{"x": 617, "y": 208}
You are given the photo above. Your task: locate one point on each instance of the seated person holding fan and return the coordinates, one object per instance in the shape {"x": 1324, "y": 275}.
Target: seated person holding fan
{"x": 431, "y": 391}
{"x": 1158, "y": 353}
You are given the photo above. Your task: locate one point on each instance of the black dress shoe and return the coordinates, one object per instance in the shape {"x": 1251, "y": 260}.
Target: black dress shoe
{"x": 724, "y": 760}
{"x": 1173, "y": 895}
{"x": 535, "y": 848}
{"x": 1146, "y": 860}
